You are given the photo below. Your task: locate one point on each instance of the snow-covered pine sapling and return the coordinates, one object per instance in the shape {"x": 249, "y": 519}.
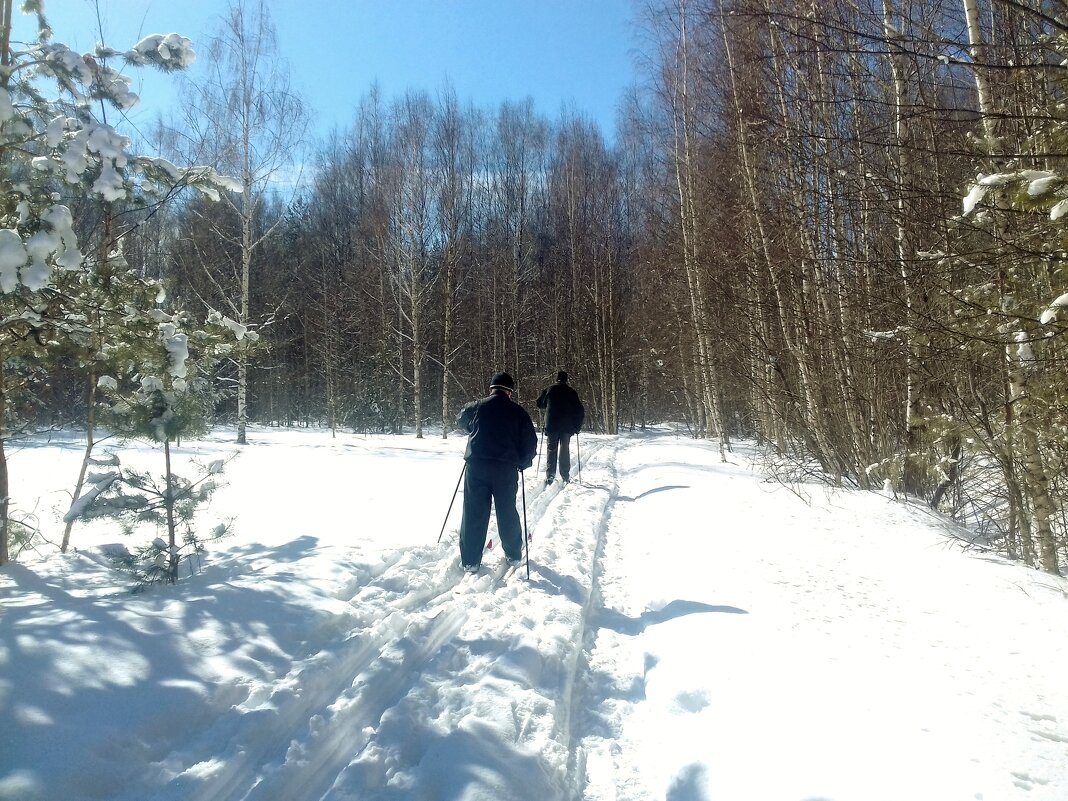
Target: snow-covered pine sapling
{"x": 161, "y": 391}
{"x": 137, "y": 498}
{"x": 103, "y": 292}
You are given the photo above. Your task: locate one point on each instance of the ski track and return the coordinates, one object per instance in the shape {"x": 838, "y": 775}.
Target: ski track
{"x": 300, "y": 738}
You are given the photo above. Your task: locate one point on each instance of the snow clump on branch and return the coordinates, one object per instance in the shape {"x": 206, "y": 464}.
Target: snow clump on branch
{"x": 971, "y": 200}
{"x": 56, "y": 238}
{"x": 65, "y": 65}
{"x": 1024, "y": 352}
{"x": 12, "y": 256}
{"x": 1036, "y": 185}
{"x": 169, "y": 51}
{"x": 101, "y": 483}
{"x": 238, "y": 329}
{"x": 7, "y": 108}
{"x": 177, "y": 347}
{"x": 1050, "y": 314}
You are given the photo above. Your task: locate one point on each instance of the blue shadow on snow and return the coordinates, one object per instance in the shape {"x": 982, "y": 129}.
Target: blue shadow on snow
{"x": 631, "y": 626}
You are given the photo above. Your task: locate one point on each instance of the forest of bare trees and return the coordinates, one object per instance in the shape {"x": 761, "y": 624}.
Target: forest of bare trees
{"x": 833, "y": 227}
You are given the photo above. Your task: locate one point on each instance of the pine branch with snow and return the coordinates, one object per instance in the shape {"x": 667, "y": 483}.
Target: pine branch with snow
{"x": 160, "y": 386}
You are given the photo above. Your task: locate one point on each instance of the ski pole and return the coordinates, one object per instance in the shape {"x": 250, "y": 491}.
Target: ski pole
{"x": 526, "y": 530}
{"x": 578, "y": 459}
{"x": 446, "y": 520}
{"x": 538, "y": 468}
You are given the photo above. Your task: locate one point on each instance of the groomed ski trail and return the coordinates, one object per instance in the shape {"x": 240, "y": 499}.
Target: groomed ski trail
{"x": 424, "y": 647}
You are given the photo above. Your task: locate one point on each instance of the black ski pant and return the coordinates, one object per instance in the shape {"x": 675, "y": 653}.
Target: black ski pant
{"x": 559, "y": 445}
{"x": 487, "y": 481}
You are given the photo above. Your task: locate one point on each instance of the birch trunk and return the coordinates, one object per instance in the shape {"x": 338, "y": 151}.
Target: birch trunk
{"x": 247, "y": 245}
{"x": 417, "y": 347}
{"x": 1034, "y": 469}
{"x": 245, "y": 116}
{"x": 90, "y": 443}
{"x": 805, "y": 337}
{"x": 446, "y": 348}
{"x": 685, "y": 176}
{"x": 759, "y": 231}
{"x": 911, "y": 479}
{"x": 982, "y": 90}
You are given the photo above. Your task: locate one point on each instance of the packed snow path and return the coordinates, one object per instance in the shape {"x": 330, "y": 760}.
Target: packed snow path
{"x": 441, "y": 685}
{"x": 689, "y": 632}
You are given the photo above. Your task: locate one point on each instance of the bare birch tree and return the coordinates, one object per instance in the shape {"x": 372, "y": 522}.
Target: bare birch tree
{"x": 245, "y": 117}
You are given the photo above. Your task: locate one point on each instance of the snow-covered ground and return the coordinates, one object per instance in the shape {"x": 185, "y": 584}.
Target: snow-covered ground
{"x": 688, "y": 632}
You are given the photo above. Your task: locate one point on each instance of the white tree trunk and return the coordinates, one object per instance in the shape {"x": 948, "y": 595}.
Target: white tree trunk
{"x": 911, "y": 482}
{"x": 1034, "y": 468}
{"x": 685, "y": 176}
{"x": 982, "y": 90}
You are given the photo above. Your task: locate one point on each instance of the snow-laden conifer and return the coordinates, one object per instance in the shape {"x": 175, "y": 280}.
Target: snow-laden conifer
{"x": 57, "y": 293}
{"x": 160, "y": 390}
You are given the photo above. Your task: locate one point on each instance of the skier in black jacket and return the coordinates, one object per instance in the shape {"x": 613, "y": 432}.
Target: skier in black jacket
{"x": 564, "y": 415}
{"x": 503, "y": 442}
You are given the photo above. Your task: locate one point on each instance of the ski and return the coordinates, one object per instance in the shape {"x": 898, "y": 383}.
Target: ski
{"x": 513, "y": 571}
{"x": 493, "y": 575}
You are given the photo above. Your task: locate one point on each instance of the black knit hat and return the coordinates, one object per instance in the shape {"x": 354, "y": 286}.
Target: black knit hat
{"x": 502, "y": 381}
{"x": 561, "y": 377}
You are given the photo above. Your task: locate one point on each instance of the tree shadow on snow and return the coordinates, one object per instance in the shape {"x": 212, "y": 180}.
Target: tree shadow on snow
{"x": 650, "y": 492}
{"x": 631, "y": 626}
{"x": 118, "y": 653}
{"x": 690, "y": 784}
{"x": 627, "y": 498}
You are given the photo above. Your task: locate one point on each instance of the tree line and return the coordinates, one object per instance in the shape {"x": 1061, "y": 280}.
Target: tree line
{"x": 833, "y": 227}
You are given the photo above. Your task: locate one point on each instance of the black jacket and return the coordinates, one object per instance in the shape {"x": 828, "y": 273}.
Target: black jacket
{"x": 564, "y": 413}
{"x": 500, "y": 430}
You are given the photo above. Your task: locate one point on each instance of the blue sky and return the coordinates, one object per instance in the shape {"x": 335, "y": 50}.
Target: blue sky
{"x": 557, "y": 51}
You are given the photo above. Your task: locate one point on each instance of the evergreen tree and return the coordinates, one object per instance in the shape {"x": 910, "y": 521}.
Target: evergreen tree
{"x": 161, "y": 391}
{"x": 51, "y": 146}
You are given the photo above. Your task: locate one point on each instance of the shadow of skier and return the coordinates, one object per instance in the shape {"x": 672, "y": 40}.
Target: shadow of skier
{"x": 618, "y": 622}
